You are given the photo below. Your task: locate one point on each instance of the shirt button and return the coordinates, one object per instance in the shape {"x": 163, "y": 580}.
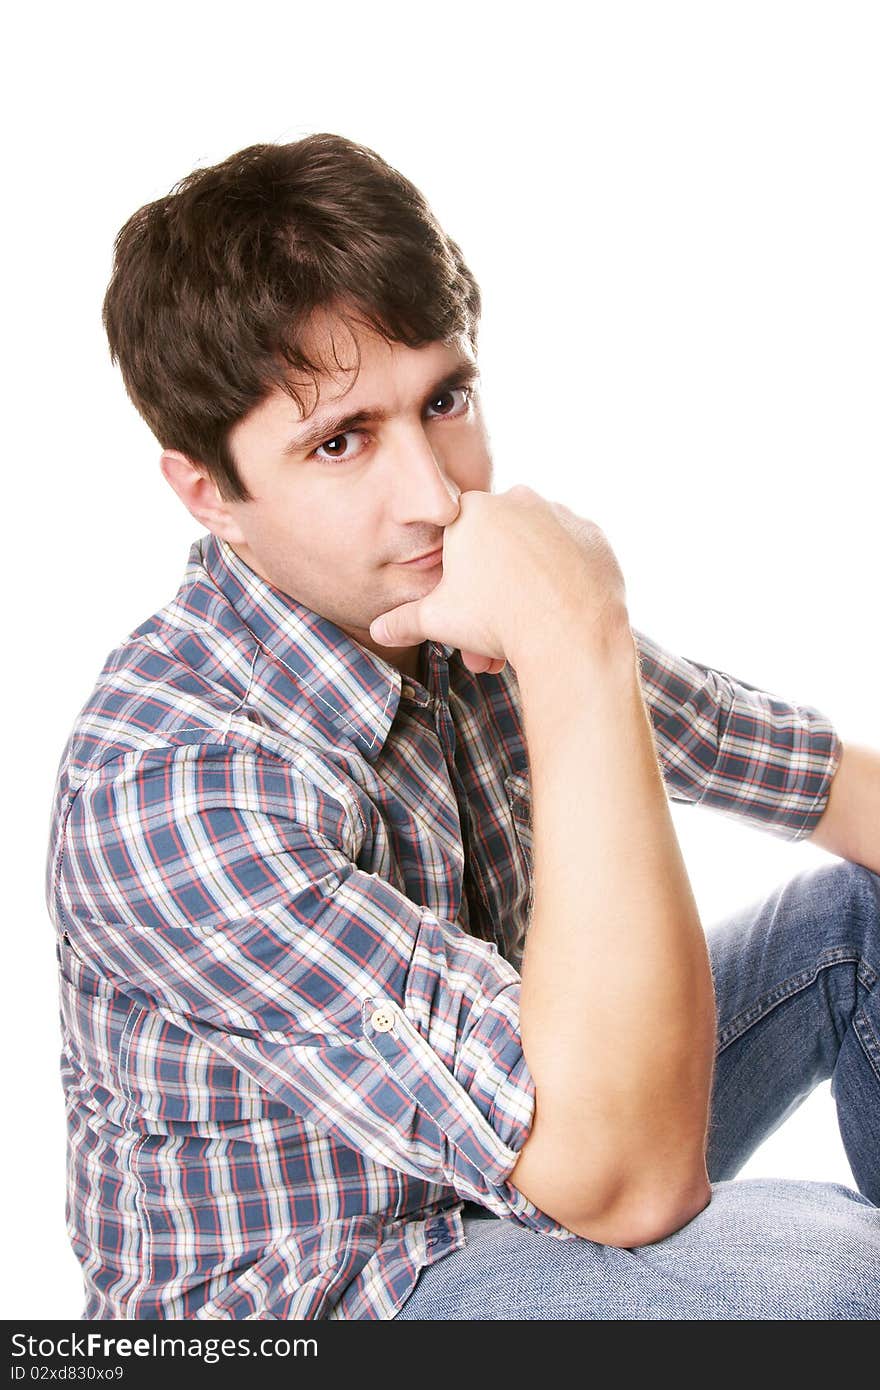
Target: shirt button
{"x": 408, "y": 692}
{"x": 382, "y": 1019}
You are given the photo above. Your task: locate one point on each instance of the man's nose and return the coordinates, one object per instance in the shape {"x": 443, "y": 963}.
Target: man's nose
{"x": 422, "y": 488}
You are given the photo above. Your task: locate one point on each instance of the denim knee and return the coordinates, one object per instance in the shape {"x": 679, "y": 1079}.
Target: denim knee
{"x": 783, "y": 1249}
{"x": 853, "y": 881}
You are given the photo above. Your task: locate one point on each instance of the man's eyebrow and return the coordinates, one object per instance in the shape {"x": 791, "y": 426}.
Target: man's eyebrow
{"x": 465, "y": 373}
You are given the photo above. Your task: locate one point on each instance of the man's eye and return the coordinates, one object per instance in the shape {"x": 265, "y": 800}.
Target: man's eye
{"x": 449, "y": 404}
{"x": 446, "y": 400}
{"x": 337, "y": 448}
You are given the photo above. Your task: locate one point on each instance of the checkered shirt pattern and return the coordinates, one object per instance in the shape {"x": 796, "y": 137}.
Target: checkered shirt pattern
{"x": 290, "y": 890}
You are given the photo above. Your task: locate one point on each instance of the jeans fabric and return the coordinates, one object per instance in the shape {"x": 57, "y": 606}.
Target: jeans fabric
{"x": 797, "y": 1002}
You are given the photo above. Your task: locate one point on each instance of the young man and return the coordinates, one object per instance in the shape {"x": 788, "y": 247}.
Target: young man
{"x": 384, "y": 992}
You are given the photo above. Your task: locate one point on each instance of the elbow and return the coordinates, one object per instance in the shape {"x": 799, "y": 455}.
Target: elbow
{"x": 633, "y": 1222}
{"x": 605, "y": 1205}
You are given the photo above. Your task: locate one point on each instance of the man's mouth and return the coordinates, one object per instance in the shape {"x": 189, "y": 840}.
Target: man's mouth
{"x": 424, "y": 562}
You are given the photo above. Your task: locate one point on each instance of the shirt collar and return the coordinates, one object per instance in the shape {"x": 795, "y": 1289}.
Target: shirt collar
{"x": 357, "y": 690}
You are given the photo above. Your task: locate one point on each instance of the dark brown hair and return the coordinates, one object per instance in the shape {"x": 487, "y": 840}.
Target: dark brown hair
{"x": 213, "y": 286}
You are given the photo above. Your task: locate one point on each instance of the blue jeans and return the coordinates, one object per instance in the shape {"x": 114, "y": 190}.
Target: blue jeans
{"x": 798, "y": 1001}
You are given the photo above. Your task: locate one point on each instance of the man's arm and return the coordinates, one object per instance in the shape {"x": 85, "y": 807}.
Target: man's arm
{"x": 617, "y": 1008}
{"x": 850, "y": 823}
{"x": 732, "y": 747}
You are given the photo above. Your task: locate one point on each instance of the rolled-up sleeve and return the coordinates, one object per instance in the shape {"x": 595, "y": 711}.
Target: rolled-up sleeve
{"x": 734, "y": 747}
{"x": 221, "y": 889}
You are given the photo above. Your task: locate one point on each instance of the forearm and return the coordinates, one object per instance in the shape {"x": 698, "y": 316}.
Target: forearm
{"x": 617, "y": 1004}
{"x": 850, "y": 824}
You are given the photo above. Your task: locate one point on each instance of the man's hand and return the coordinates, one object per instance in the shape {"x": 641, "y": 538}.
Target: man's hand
{"x": 850, "y": 824}
{"x": 513, "y": 563}
{"x": 482, "y": 664}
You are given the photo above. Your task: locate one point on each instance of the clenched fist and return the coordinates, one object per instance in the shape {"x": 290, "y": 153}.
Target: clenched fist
{"x": 512, "y": 561}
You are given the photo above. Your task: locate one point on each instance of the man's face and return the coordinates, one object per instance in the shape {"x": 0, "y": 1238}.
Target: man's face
{"x": 338, "y": 505}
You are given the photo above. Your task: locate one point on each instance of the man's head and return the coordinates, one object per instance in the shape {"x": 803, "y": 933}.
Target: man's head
{"x": 268, "y": 298}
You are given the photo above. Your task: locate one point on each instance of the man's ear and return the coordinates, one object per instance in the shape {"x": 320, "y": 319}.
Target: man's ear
{"x": 200, "y": 495}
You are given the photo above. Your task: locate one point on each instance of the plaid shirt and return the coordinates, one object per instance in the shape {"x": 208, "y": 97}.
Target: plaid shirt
{"x": 290, "y": 891}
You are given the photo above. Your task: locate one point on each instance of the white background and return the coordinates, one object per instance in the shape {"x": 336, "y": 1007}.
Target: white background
{"x": 673, "y": 212}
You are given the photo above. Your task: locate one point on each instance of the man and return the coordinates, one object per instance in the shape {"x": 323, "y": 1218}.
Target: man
{"x": 383, "y": 989}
